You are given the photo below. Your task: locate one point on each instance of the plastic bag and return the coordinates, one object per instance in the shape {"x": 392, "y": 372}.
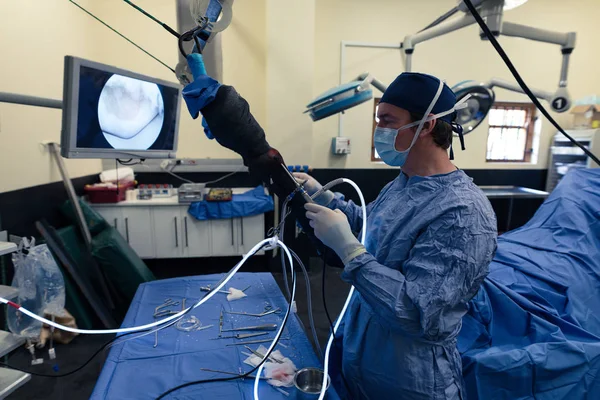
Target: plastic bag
{"x": 41, "y": 288}
{"x": 49, "y": 279}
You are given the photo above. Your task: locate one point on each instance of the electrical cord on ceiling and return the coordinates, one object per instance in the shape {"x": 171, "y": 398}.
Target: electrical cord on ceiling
{"x": 246, "y": 374}
{"x": 147, "y": 14}
{"x": 123, "y": 36}
{"x": 440, "y": 19}
{"x": 192, "y": 34}
{"x": 520, "y": 80}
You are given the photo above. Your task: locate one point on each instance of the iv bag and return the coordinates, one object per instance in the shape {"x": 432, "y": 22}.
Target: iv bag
{"x": 41, "y": 289}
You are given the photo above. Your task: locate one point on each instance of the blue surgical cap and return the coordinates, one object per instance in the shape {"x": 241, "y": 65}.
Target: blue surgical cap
{"x": 414, "y": 92}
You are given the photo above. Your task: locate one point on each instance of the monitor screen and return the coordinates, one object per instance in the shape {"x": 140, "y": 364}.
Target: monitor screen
{"x": 111, "y": 113}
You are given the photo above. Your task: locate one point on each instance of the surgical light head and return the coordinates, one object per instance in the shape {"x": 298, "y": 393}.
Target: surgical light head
{"x": 482, "y": 97}
{"x": 480, "y": 101}
{"x": 339, "y": 99}
{"x": 343, "y": 97}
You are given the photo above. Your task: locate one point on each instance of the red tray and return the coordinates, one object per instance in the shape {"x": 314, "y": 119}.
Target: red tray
{"x": 107, "y": 194}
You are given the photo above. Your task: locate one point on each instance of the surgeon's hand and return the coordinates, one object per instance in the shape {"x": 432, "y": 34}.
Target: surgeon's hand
{"x": 332, "y": 228}
{"x": 312, "y": 186}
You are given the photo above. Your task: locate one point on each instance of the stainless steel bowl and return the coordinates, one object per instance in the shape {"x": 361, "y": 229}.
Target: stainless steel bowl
{"x": 310, "y": 381}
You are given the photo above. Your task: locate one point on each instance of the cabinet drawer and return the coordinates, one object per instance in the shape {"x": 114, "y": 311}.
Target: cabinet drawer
{"x": 223, "y": 237}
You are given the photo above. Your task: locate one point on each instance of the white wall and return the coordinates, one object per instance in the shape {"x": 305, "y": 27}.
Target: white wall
{"x": 279, "y": 55}
{"x": 290, "y": 69}
{"x": 34, "y": 38}
{"x": 32, "y": 63}
{"x": 454, "y": 57}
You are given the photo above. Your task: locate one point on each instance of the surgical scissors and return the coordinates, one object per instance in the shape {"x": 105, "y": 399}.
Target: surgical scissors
{"x": 267, "y": 311}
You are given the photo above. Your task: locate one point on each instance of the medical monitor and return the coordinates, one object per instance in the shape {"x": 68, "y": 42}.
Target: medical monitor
{"x": 113, "y": 113}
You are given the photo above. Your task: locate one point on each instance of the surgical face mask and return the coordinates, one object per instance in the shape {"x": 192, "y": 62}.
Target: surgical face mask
{"x": 385, "y": 138}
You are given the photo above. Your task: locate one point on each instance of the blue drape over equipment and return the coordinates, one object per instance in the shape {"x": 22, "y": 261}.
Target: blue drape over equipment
{"x": 253, "y": 202}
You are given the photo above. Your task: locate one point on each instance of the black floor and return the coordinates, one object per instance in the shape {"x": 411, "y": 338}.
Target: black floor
{"x": 81, "y": 384}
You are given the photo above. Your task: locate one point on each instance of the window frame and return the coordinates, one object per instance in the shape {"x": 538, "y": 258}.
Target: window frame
{"x": 530, "y": 119}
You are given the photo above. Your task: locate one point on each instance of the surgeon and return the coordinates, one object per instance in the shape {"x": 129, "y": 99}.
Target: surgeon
{"x": 431, "y": 234}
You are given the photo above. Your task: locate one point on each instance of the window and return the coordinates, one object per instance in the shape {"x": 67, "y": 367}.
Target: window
{"x": 511, "y": 132}
{"x": 374, "y": 155}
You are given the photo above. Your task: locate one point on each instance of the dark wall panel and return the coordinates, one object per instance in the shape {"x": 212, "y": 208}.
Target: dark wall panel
{"x": 20, "y": 209}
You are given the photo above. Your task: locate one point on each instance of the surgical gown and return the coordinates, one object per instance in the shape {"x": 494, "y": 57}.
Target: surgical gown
{"x": 430, "y": 241}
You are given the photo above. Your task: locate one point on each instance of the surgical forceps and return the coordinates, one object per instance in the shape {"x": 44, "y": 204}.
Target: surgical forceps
{"x": 267, "y": 311}
{"x": 160, "y": 310}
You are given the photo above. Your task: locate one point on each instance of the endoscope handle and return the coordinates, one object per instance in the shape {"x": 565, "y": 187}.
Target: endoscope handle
{"x": 282, "y": 183}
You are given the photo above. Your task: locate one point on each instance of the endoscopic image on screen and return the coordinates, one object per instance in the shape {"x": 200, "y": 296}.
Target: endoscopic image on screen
{"x": 131, "y": 113}
{"x": 124, "y": 113}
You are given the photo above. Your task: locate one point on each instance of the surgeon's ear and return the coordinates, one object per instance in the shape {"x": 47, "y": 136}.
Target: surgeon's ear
{"x": 428, "y": 128}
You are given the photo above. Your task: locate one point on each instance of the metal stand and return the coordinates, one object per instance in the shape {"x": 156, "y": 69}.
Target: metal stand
{"x": 54, "y": 150}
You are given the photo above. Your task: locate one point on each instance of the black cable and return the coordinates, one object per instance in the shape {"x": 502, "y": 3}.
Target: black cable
{"x": 85, "y": 364}
{"x": 335, "y": 338}
{"x": 241, "y": 376}
{"x": 325, "y": 299}
{"x": 520, "y": 80}
{"x": 104, "y": 346}
{"x": 440, "y": 19}
{"x": 167, "y": 27}
{"x": 190, "y": 35}
{"x": 129, "y": 162}
{"x": 120, "y": 34}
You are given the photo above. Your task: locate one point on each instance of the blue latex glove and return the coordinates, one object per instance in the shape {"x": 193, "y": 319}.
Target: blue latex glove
{"x": 332, "y": 228}
{"x": 202, "y": 91}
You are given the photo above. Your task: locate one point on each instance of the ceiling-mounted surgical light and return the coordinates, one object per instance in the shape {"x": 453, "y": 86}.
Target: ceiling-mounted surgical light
{"x": 478, "y": 106}
{"x": 343, "y": 97}
{"x": 483, "y": 97}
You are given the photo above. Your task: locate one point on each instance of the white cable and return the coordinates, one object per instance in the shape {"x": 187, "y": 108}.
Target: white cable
{"x": 147, "y": 326}
{"x": 116, "y": 343}
{"x": 271, "y": 242}
{"x": 341, "y": 316}
{"x": 274, "y": 342}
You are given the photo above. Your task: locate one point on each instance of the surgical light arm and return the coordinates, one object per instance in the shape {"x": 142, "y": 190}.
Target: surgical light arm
{"x": 369, "y": 79}
{"x": 513, "y": 87}
{"x": 565, "y": 40}
{"x": 492, "y": 12}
